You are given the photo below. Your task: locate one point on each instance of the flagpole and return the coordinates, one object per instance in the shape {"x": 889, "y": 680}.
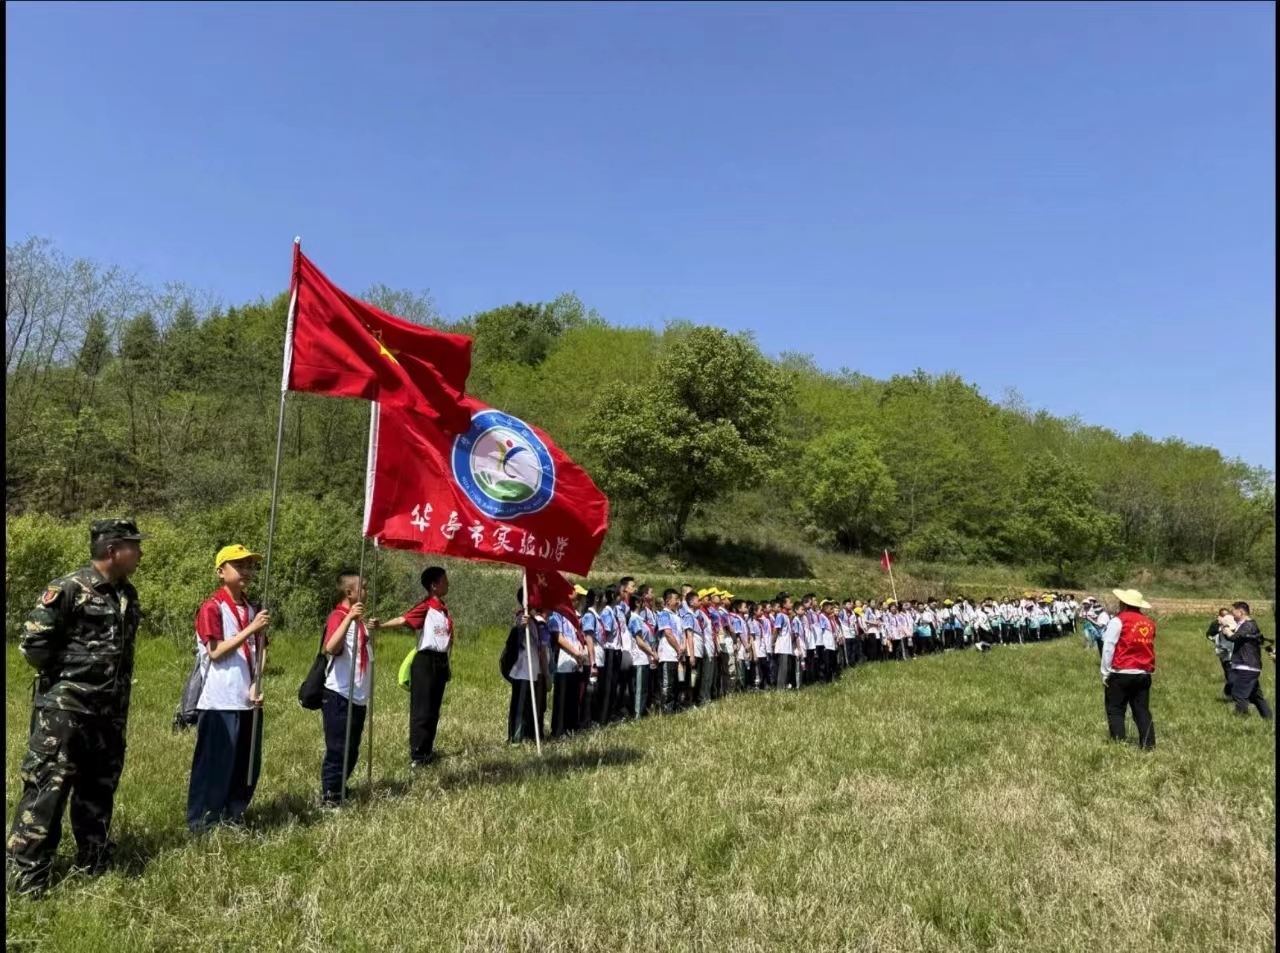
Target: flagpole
{"x": 364, "y": 539}
{"x": 275, "y": 499}
{"x": 373, "y": 601}
{"x": 528, "y": 655}
{"x": 889, "y": 565}
{"x": 351, "y": 682}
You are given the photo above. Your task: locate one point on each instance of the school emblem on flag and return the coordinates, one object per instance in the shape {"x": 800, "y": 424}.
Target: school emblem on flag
{"x": 503, "y": 467}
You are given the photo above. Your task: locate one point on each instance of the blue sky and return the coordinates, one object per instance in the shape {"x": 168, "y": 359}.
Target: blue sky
{"x": 1074, "y": 200}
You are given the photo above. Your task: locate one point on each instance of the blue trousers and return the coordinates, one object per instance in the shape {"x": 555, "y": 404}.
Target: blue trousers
{"x": 334, "y": 710}
{"x": 221, "y": 788}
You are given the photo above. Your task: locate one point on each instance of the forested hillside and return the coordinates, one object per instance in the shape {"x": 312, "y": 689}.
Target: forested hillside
{"x": 120, "y": 397}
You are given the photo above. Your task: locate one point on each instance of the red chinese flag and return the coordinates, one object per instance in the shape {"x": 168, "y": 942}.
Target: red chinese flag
{"x": 552, "y": 592}
{"x": 345, "y": 348}
{"x": 500, "y": 491}
{"x": 885, "y": 561}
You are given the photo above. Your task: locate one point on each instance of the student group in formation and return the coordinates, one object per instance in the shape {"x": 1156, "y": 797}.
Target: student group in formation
{"x": 620, "y": 652}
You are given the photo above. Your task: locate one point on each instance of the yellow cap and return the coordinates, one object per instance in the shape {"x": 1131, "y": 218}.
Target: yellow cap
{"x": 703, "y": 593}
{"x": 578, "y": 590}
{"x": 234, "y": 553}
{"x": 723, "y": 594}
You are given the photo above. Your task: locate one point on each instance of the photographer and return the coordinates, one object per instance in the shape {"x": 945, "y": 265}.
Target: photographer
{"x": 1246, "y": 663}
{"x": 1219, "y": 630}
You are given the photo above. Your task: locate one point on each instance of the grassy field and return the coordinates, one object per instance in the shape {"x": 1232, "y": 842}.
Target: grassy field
{"x": 964, "y": 802}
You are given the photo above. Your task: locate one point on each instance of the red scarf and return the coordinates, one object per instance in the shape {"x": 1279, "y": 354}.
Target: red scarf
{"x": 242, "y": 619}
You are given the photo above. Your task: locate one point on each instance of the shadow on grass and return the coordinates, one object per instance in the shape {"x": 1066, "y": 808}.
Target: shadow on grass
{"x": 494, "y": 772}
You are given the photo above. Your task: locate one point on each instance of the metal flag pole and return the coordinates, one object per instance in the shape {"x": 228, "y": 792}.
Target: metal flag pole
{"x": 528, "y": 655}
{"x": 373, "y": 601}
{"x": 275, "y": 499}
{"x": 351, "y": 690}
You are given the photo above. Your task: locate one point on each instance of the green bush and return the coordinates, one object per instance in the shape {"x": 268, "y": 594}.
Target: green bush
{"x": 314, "y": 540}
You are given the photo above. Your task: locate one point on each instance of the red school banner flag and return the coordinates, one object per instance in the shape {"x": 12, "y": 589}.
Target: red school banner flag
{"x": 551, "y": 592}
{"x": 500, "y": 491}
{"x": 343, "y": 347}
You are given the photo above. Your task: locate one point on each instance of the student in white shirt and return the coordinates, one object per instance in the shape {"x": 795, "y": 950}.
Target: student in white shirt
{"x": 346, "y": 684}
{"x": 430, "y": 672}
{"x": 230, "y": 636}
{"x": 571, "y": 662}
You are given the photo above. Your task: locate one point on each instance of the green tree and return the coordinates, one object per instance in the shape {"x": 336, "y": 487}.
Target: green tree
{"x": 1057, "y": 519}
{"x": 706, "y": 425}
{"x": 847, "y": 489}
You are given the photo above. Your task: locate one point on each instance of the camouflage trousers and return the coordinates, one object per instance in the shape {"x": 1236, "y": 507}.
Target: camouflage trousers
{"x": 69, "y": 757}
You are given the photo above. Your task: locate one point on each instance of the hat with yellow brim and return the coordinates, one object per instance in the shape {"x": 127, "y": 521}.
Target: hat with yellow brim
{"x": 579, "y": 590}
{"x": 234, "y": 553}
{"x": 1131, "y": 597}
{"x": 703, "y": 593}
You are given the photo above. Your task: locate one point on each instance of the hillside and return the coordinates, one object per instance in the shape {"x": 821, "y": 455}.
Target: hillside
{"x": 717, "y": 459}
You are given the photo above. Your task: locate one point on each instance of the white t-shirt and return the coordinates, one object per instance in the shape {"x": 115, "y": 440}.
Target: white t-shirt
{"x": 592, "y": 626}
{"x": 566, "y": 664}
{"x": 669, "y": 621}
{"x": 528, "y": 637}
{"x": 227, "y": 681}
{"x": 435, "y": 632}
{"x": 339, "y": 677}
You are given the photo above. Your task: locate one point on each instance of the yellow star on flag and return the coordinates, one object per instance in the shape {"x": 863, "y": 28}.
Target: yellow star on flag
{"x": 382, "y": 348}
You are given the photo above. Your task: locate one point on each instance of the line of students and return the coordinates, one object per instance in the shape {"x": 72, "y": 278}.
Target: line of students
{"x": 632, "y": 654}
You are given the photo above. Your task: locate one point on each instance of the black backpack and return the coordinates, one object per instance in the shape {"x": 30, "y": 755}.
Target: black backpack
{"x": 311, "y": 691}
{"x": 510, "y": 651}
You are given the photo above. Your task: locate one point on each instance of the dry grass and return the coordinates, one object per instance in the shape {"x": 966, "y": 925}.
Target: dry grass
{"x": 962, "y": 802}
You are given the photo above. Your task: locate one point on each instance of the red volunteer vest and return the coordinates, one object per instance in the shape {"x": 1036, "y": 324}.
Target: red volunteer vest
{"x": 1137, "y": 645}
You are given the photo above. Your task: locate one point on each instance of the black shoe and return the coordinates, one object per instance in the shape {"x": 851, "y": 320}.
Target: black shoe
{"x": 28, "y": 885}
{"x": 424, "y": 763}
{"x": 95, "y": 861}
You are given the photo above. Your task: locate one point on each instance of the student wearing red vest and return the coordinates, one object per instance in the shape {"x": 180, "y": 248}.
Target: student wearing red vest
{"x": 1128, "y": 659}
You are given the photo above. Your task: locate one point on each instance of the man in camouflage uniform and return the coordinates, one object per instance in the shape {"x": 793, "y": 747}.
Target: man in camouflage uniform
{"x": 80, "y": 639}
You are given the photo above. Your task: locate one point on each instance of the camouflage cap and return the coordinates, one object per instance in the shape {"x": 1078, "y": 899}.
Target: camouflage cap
{"x": 114, "y": 529}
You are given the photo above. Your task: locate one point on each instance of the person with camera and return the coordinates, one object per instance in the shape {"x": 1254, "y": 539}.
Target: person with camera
{"x": 1247, "y": 644}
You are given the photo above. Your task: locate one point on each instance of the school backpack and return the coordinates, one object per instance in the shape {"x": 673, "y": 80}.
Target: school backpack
{"x": 405, "y": 675}
{"x": 510, "y": 651}
{"x": 187, "y": 714}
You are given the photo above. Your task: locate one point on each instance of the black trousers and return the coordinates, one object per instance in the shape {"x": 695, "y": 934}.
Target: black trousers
{"x": 782, "y": 665}
{"x": 1245, "y": 691}
{"x": 764, "y": 668}
{"x": 564, "y": 703}
{"x": 333, "y": 710}
{"x": 706, "y": 678}
{"x": 221, "y": 787}
{"x": 607, "y": 692}
{"x": 828, "y": 657}
{"x": 668, "y": 675}
{"x": 1131, "y": 692}
{"x": 428, "y": 675}
{"x": 1226, "y": 677}
{"x": 520, "y": 712}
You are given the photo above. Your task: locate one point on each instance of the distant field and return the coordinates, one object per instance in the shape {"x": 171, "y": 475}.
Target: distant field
{"x": 964, "y": 802}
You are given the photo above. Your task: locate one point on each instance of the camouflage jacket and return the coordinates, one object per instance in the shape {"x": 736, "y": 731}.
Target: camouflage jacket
{"x": 80, "y": 639}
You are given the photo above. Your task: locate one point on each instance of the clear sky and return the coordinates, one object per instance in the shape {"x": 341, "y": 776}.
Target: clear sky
{"x": 1074, "y": 200}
